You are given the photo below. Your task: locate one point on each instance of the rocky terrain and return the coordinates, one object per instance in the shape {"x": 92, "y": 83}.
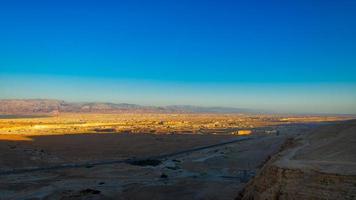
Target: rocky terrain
{"x": 318, "y": 165}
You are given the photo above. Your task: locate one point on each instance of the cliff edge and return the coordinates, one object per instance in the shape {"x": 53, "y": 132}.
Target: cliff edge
{"x": 317, "y": 165}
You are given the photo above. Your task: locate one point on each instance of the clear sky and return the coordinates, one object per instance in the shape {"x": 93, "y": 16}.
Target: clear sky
{"x": 286, "y": 56}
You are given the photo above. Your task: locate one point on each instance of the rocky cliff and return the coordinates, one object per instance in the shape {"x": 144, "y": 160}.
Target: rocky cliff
{"x": 319, "y": 165}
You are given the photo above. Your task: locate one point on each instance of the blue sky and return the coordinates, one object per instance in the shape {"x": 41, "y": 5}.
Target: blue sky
{"x": 279, "y": 55}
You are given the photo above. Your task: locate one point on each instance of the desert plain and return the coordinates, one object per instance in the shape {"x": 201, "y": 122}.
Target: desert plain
{"x": 143, "y": 156}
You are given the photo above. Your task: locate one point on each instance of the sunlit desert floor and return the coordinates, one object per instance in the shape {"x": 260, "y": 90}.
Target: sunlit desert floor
{"x": 72, "y": 123}
{"x": 217, "y": 172}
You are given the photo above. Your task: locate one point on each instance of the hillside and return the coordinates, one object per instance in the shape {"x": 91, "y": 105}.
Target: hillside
{"x": 319, "y": 165}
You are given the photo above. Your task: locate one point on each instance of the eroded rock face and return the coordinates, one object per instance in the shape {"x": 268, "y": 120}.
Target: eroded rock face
{"x": 279, "y": 183}
{"x": 302, "y": 171}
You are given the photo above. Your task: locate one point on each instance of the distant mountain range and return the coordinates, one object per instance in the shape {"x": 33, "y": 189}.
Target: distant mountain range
{"x": 51, "y": 106}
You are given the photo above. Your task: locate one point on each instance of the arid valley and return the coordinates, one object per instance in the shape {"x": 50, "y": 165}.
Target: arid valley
{"x": 172, "y": 156}
{"x": 177, "y": 100}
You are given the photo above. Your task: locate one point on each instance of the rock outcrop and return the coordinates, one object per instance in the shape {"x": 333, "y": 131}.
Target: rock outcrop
{"x": 319, "y": 165}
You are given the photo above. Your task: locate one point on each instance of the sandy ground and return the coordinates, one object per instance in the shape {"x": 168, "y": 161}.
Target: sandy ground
{"x": 199, "y": 175}
{"x": 56, "y": 149}
{"x": 214, "y": 173}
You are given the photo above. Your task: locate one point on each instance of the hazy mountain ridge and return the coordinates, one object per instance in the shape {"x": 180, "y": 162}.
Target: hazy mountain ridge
{"x": 214, "y": 109}
{"x": 43, "y": 106}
